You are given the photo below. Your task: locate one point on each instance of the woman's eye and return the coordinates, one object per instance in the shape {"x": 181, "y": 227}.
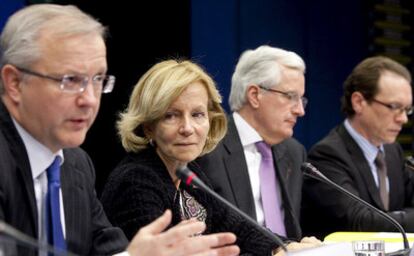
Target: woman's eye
{"x": 199, "y": 114}
{"x": 169, "y": 116}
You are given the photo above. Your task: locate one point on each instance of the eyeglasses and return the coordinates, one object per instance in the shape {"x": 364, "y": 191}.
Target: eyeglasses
{"x": 396, "y": 107}
{"x": 78, "y": 83}
{"x": 293, "y": 97}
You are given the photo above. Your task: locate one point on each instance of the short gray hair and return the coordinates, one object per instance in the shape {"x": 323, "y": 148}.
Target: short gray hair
{"x": 19, "y": 39}
{"x": 261, "y": 66}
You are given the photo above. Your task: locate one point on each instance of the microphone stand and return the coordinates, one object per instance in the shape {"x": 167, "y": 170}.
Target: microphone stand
{"x": 190, "y": 178}
{"x": 23, "y": 239}
{"x": 311, "y": 171}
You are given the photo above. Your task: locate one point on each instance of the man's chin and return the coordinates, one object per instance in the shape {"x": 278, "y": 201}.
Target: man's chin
{"x": 74, "y": 141}
{"x": 390, "y": 141}
{"x": 287, "y": 134}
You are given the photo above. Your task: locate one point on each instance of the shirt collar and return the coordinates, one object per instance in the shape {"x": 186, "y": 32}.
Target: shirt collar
{"x": 248, "y": 135}
{"x": 40, "y": 157}
{"x": 370, "y": 151}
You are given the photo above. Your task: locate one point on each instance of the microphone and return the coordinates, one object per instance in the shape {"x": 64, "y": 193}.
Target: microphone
{"x": 25, "y": 240}
{"x": 409, "y": 162}
{"x": 190, "y": 178}
{"x": 310, "y": 171}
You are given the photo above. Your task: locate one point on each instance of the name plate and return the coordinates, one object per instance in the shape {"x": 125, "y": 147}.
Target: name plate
{"x": 337, "y": 249}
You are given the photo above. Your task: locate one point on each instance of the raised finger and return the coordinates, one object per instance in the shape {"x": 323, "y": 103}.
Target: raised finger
{"x": 158, "y": 225}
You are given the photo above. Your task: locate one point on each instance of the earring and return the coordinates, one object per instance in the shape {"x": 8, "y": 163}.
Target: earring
{"x": 151, "y": 142}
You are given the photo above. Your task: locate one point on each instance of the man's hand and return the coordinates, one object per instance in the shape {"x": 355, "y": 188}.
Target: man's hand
{"x": 179, "y": 240}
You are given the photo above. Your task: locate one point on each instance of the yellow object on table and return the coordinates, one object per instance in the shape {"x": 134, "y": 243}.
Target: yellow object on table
{"x": 393, "y": 240}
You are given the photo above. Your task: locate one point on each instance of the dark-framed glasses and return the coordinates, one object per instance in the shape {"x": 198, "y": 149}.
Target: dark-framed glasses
{"x": 77, "y": 83}
{"x": 396, "y": 107}
{"x": 293, "y": 97}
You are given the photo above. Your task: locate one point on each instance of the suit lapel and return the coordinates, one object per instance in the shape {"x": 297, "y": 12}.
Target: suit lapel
{"x": 282, "y": 167}
{"x": 75, "y": 205}
{"x": 361, "y": 164}
{"x": 283, "y": 170}
{"x": 394, "y": 165}
{"x": 22, "y": 161}
{"x": 236, "y": 169}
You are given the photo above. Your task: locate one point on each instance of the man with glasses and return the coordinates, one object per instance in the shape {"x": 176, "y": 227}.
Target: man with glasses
{"x": 53, "y": 72}
{"x": 266, "y": 99}
{"x": 361, "y": 155}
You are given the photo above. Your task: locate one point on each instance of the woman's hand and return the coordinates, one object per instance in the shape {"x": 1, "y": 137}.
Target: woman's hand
{"x": 179, "y": 240}
{"x": 305, "y": 243}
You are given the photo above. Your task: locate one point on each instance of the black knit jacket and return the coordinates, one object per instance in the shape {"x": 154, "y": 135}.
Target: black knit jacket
{"x": 140, "y": 189}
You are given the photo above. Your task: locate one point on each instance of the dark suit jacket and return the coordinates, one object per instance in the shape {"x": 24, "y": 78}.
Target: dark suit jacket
{"x": 339, "y": 157}
{"x": 227, "y": 170}
{"x": 88, "y": 232}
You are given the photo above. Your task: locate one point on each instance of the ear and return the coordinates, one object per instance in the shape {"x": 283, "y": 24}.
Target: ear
{"x": 358, "y": 102}
{"x": 253, "y": 96}
{"x": 11, "y": 81}
{"x": 148, "y": 130}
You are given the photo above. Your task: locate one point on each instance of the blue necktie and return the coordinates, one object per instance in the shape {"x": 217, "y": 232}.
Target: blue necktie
{"x": 54, "y": 225}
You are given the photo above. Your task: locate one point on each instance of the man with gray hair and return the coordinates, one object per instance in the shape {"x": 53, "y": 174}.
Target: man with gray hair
{"x": 257, "y": 164}
{"x": 53, "y": 72}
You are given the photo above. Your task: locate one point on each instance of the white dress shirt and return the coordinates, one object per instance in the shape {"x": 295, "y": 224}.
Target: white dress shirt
{"x": 40, "y": 158}
{"x": 249, "y": 136}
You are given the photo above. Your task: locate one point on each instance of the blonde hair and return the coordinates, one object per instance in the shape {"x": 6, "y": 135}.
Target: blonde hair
{"x": 155, "y": 91}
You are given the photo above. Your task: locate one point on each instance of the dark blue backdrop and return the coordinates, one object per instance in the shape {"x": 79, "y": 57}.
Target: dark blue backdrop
{"x": 7, "y": 7}
{"x": 329, "y": 35}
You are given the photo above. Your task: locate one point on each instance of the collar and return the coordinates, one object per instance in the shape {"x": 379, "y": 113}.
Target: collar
{"x": 40, "y": 157}
{"x": 248, "y": 135}
{"x": 370, "y": 151}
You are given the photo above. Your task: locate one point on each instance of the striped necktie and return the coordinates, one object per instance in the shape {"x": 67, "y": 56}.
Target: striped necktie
{"x": 382, "y": 178}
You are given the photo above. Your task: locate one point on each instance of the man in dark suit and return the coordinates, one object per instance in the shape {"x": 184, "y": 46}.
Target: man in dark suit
{"x": 53, "y": 71}
{"x": 266, "y": 99}
{"x": 377, "y": 101}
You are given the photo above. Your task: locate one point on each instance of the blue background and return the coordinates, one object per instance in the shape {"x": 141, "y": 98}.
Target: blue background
{"x": 331, "y": 36}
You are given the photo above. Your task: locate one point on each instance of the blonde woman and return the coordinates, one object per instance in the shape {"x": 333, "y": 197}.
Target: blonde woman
{"x": 174, "y": 116}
